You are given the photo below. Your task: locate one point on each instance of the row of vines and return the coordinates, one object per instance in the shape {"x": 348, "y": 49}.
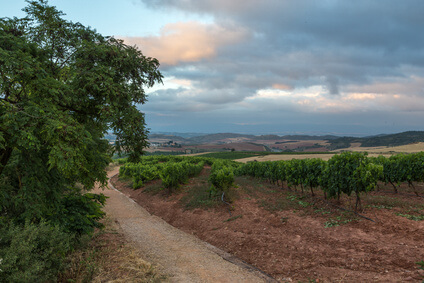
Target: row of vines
{"x": 176, "y": 170}
{"x": 346, "y": 173}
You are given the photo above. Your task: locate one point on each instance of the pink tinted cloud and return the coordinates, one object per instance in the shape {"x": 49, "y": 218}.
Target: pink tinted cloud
{"x": 187, "y": 42}
{"x": 282, "y": 86}
{"x": 412, "y": 85}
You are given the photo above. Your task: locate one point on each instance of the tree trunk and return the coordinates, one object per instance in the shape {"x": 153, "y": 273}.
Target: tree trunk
{"x": 394, "y": 187}
{"x": 358, "y": 201}
{"x": 413, "y": 187}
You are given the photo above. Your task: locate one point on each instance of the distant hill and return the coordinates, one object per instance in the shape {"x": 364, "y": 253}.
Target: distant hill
{"x": 308, "y": 138}
{"x": 379, "y": 140}
{"x": 334, "y": 142}
{"x": 213, "y": 138}
{"x": 167, "y": 137}
{"x": 183, "y": 135}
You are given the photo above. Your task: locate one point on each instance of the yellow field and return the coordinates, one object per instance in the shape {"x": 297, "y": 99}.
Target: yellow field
{"x": 410, "y": 148}
{"x": 277, "y": 157}
{"x": 372, "y": 152}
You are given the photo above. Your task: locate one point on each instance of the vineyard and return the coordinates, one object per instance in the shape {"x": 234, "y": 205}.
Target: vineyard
{"x": 353, "y": 216}
{"x": 344, "y": 174}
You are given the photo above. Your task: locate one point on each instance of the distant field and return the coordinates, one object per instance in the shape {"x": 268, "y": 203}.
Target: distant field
{"x": 232, "y": 155}
{"x": 410, "y": 148}
{"x": 372, "y": 152}
{"x": 262, "y": 156}
{"x": 277, "y": 157}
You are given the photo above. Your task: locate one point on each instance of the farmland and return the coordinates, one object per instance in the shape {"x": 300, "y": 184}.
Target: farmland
{"x": 293, "y": 235}
{"x": 407, "y": 142}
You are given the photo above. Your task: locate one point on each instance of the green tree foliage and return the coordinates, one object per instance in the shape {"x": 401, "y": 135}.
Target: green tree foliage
{"x": 32, "y": 253}
{"x": 62, "y": 87}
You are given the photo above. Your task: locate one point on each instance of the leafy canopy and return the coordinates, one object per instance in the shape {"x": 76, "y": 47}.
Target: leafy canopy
{"x": 62, "y": 87}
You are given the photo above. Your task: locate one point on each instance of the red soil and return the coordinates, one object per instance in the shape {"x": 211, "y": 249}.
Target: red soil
{"x": 291, "y": 245}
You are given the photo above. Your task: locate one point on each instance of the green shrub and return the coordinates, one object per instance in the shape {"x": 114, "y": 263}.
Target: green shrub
{"x": 80, "y": 213}
{"x": 221, "y": 179}
{"x": 32, "y": 253}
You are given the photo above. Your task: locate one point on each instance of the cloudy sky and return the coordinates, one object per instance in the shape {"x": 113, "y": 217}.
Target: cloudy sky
{"x": 271, "y": 66}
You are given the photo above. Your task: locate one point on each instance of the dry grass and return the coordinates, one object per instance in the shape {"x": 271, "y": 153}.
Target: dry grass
{"x": 410, "y": 148}
{"x": 107, "y": 257}
{"x": 196, "y": 154}
{"x": 277, "y": 157}
{"x": 372, "y": 152}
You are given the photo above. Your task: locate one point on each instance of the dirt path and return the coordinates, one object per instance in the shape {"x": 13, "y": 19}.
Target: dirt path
{"x": 183, "y": 257}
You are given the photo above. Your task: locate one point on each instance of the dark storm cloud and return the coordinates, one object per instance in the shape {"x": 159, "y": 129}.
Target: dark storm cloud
{"x": 343, "y": 41}
{"x": 355, "y": 56}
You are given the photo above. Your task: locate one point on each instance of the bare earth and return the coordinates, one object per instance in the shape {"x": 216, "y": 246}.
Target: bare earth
{"x": 183, "y": 257}
{"x": 287, "y": 245}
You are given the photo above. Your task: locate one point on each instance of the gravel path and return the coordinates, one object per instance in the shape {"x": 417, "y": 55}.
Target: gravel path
{"x": 183, "y": 257}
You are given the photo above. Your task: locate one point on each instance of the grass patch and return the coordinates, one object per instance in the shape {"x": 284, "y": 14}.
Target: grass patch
{"x": 233, "y": 218}
{"x": 385, "y": 201}
{"x": 340, "y": 220}
{"x": 107, "y": 257}
{"x": 198, "y": 196}
{"x": 412, "y": 217}
{"x": 255, "y": 187}
{"x": 154, "y": 187}
{"x": 322, "y": 211}
{"x": 233, "y": 155}
{"x": 380, "y": 206}
{"x": 246, "y": 154}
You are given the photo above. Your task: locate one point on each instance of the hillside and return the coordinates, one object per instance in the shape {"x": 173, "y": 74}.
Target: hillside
{"x": 220, "y": 137}
{"x": 290, "y": 143}
{"x": 379, "y": 140}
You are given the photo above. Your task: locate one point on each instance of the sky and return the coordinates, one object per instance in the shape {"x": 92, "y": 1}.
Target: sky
{"x": 271, "y": 66}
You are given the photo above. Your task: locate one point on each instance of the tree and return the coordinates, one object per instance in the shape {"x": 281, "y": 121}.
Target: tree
{"x": 63, "y": 86}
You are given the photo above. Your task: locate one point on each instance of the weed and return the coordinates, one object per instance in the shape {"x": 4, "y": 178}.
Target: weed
{"x": 233, "y": 218}
{"x": 381, "y": 206}
{"x": 386, "y": 201}
{"x": 331, "y": 223}
{"x": 299, "y": 200}
{"x": 284, "y": 219}
{"x": 412, "y": 217}
{"x": 291, "y": 197}
{"x": 277, "y": 204}
{"x": 337, "y": 221}
{"x": 421, "y": 266}
{"x": 303, "y": 203}
{"x": 322, "y": 211}
{"x": 198, "y": 196}
{"x": 154, "y": 188}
